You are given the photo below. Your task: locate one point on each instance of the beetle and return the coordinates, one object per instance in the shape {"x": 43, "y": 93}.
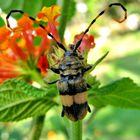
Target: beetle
{"x": 72, "y": 85}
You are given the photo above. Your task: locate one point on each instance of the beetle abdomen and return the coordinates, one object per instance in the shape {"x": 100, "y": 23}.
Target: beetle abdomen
{"x": 75, "y": 111}
{"x": 73, "y": 97}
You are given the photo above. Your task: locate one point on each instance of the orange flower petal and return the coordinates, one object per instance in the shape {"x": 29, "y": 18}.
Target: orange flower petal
{"x": 4, "y": 32}
{"x": 4, "y": 45}
{"x": 7, "y": 60}
{"x": 25, "y": 23}
{"x": 54, "y": 31}
{"x": 44, "y": 47}
{"x": 87, "y": 42}
{"x": 40, "y": 32}
{"x": 29, "y": 42}
{"x": 43, "y": 64}
{"x": 18, "y": 51}
{"x": 8, "y": 69}
{"x": 40, "y": 15}
{"x": 7, "y": 75}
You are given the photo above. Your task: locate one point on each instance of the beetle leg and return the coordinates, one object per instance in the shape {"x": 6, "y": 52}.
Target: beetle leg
{"x": 89, "y": 110}
{"x": 52, "y": 82}
{"x": 55, "y": 70}
{"x": 62, "y": 113}
{"x": 87, "y": 68}
{"x": 88, "y": 86}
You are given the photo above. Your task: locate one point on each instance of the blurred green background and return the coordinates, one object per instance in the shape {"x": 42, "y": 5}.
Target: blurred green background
{"x": 121, "y": 40}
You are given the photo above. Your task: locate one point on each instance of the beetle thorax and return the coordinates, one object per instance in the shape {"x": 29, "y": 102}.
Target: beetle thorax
{"x": 71, "y": 64}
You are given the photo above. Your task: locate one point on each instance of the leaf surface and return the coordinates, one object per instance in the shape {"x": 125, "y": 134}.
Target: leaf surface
{"x": 123, "y": 93}
{"x": 20, "y": 100}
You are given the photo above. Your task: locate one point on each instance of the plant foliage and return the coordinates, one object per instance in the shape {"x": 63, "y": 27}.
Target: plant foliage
{"x": 20, "y": 100}
{"x": 123, "y": 93}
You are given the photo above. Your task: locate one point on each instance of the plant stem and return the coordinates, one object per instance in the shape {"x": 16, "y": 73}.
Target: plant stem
{"x": 63, "y": 20}
{"x": 37, "y": 126}
{"x": 76, "y": 130}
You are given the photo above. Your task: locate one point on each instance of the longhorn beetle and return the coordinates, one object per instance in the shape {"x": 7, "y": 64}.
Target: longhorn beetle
{"x": 71, "y": 85}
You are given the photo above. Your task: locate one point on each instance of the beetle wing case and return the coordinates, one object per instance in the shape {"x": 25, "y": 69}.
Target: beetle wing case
{"x": 74, "y": 103}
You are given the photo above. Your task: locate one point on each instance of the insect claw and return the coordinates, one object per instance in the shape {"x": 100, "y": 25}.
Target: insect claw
{"x": 52, "y": 82}
{"x": 89, "y": 110}
{"x": 62, "y": 113}
{"x": 88, "y": 86}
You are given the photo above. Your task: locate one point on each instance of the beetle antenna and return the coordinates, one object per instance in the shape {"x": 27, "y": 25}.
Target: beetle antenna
{"x": 100, "y": 14}
{"x": 33, "y": 19}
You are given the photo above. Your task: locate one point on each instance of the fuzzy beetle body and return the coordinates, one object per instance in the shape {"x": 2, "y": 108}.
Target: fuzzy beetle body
{"x": 72, "y": 86}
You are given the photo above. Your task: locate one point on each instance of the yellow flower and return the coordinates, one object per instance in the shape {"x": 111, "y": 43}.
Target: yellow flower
{"x": 49, "y": 14}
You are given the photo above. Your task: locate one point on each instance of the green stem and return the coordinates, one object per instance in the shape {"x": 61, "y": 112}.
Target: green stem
{"x": 76, "y": 130}
{"x": 64, "y": 18}
{"x": 37, "y": 127}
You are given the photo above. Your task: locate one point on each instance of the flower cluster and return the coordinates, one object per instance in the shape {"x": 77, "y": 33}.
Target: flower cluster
{"x": 23, "y": 51}
{"x": 20, "y": 54}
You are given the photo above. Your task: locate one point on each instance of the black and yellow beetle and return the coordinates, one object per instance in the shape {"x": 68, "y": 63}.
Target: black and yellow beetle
{"x": 71, "y": 85}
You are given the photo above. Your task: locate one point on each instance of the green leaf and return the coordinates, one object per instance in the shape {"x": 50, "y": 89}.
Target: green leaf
{"x": 98, "y": 61}
{"x": 68, "y": 10}
{"x": 24, "y": 107}
{"x": 5, "y": 4}
{"x": 72, "y": 10}
{"x": 49, "y": 2}
{"x": 37, "y": 40}
{"x": 16, "y": 85}
{"x": 15, "y": 4}
{"x": 19, "y": 100}
{"x": 31, "y": 7}
{"x": 2, "y": 23}
{"x": 122, "y": 93}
